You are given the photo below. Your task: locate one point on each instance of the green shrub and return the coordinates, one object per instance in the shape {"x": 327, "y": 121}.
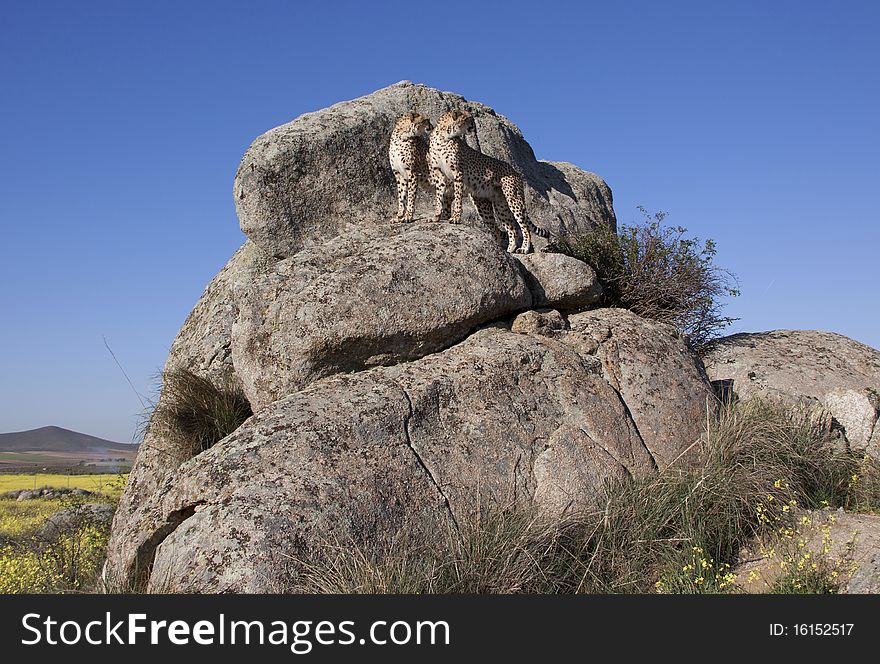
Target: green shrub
{"x": 197, "y": 413}
{"x": 658, "y": 273}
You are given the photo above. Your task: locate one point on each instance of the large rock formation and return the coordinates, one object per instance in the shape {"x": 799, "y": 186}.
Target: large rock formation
{"x": 434, "y": 411}
{"x": 409, "y": 372}
{"x": 821, "y": 368}
{"x": 500, "y": 416}
{"x": 365, "y": 299}
{"x": 308, "y": 180}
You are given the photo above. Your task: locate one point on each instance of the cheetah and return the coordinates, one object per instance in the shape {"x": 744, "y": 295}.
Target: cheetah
{"x": 494, "y": 185}
{"x": 408, "y": 153}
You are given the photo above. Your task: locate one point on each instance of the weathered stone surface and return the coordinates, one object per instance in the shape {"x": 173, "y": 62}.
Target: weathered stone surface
{"x": 518, "y": 418}
{"x": 655, "y": 373}
{"x": 546, "y": 322}
{"x": 307, "y": 180}
{"x": 503, "y": 416}
{"x": 851, "y": 538}
{"x": 203, "y": 346}
{"x": 827, "y": 369}
{"x": 366, "y": 299}
{"x": 560, "y": 281}
{"x": 204, "y": 343}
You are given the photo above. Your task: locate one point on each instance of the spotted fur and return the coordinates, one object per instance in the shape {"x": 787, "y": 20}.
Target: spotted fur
{"x": 408, "y": 153}
{"x": 494, "y": 185}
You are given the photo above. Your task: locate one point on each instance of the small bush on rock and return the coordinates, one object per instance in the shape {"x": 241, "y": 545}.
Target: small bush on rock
{"x": 658, "y": 273}
{"x": 199, "y": 412}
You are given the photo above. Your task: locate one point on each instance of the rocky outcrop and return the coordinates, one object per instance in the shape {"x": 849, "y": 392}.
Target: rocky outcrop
{"x": 399, "y": 372}
{"x": 411, "y": 373}
{"x": 654, "y": 372}
{"x": 382, "y": 296}
{"x": 803, "y": 366}
{"x": 308, "y": 180}
{"x": 45, "y": 493}
{"x": 365, "y": 299}
{"x": 500, "y": 416}
{"x": 204, "y": 346}
{"x": 560, "y": 281}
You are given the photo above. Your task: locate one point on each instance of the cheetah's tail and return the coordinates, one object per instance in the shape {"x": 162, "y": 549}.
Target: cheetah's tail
{"x": 538, "y": 231}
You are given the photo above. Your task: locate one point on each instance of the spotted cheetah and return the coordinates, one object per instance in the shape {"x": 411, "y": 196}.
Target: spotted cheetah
{"x": 408, "y": 153}
{"x": 494, "y": 185}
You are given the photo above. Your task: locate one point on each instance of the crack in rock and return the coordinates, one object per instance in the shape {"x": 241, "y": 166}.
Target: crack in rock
{"x": 606, "y": 371}
{"x": 142, "y": 568}
{"x": 406, "y": 420}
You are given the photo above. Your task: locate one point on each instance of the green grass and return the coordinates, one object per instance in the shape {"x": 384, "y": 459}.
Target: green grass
{"x": 29, "y": 457}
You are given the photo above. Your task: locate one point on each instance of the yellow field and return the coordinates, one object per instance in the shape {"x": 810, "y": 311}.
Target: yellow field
{"x": 69, "y": 562}
{"x": 17, "y": 518}
{"x": 109, "y": 485}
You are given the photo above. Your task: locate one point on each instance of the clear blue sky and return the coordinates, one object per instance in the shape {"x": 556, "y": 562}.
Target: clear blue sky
{"x": 754, "y": 123}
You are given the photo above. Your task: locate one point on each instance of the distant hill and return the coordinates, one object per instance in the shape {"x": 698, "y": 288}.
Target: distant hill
{"x": 56, "y": 439}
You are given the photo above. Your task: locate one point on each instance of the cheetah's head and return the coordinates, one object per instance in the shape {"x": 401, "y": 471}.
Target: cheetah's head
{"x": 456, "y": 124}
{"x": 413, "y": 125}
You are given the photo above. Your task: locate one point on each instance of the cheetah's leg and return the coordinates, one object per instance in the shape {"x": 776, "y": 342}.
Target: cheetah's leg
{"x": 411, "y": 198}
{"x": 511, "y": 187}
{"x": 526, "y": 247}
{"x": 458, "y": 194}
{"x": 487, "y": 214}
{"x": 506, "y": 219}
{"x": 439, "y": 194}
{"x": 447, "y": 204}
{"x": 401, "y": 196}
